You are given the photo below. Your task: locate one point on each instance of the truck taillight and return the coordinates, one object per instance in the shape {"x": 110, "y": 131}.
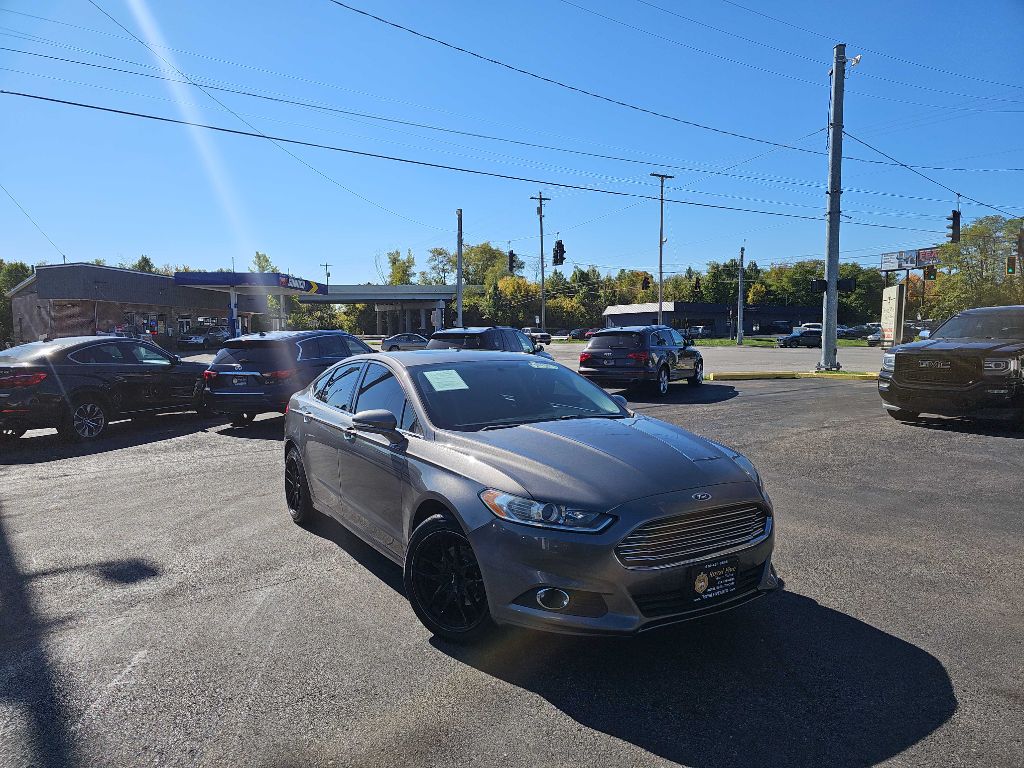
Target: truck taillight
{"x": 21, "y": 380}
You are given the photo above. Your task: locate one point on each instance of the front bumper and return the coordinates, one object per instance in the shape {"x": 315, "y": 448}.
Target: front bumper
{"x": 992, "y": 396}
{"x": 606, "y": 597}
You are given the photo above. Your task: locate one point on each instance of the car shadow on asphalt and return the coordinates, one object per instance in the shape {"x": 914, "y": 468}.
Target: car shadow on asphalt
{"x": 326, "y": 527}
{"x": 681, "y": 393}
{"x": 41, "y": 446}
{"x": 980, "y": 427}
{"x": 781, "y": 681}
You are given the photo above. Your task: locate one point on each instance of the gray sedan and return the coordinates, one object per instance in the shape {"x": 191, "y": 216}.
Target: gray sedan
{"x": 513, "y": 491}
{"x": 403, "y": 342}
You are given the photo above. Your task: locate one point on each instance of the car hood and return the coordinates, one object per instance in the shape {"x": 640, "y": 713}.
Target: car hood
{"x": 997, "y": 346}
{"x": 599, "y": 462}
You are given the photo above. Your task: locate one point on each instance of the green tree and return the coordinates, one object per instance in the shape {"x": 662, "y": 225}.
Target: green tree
{"x": 400, "y": 268}
{"x": 11, "y": 273}
{"x": 141, "y": 264}
{"x": 440, "y": 267}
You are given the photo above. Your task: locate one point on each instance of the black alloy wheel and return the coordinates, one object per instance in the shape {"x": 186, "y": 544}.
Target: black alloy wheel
{"x": 393, "y": 348}
{"x": 444, "y": 583}
{"x": 296, "y": 488}
{"x": 698, "y": 373}
{"x": 87, "y": 420}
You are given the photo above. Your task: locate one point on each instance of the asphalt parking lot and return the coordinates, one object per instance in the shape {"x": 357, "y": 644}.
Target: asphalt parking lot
{"x": 160, "y": 608}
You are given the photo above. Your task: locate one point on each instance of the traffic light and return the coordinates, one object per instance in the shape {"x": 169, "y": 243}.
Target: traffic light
{"x": 953, "y": 227}
{"x": 558, "y": 254}
{"x": 930, "y": 272}
{"x": 1011, "y": 265}
{"x": 511, "y": 261}
{"x": 645, "y": 282}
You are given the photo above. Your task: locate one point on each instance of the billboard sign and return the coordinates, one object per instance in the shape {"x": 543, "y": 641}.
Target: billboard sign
{"x": 927, "y": 257}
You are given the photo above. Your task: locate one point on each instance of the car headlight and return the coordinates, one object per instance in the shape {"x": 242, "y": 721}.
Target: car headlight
{"x": 888, "y": 361}
{"x": 999, "y": 366}
{"x": 543, "y": 515}
{"x": 748, "y": 466}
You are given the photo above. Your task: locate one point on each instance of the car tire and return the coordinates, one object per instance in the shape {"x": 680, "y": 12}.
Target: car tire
{"x": 393, "y": 348}
{"x": 296, "y": 488}
{"x": 698, "y": 374}
{"x": 443, "y": 582}
{"x": 661, "y": 384}
{"x": 87, "y": 419}
{"x": 903, "y": 415}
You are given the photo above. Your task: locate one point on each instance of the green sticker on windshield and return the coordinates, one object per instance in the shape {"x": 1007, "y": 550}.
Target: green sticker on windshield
{"x": 446, "y": 380}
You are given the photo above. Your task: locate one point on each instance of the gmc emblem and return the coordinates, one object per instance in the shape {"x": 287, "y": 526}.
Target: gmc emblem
{"x": 943, "y": 364}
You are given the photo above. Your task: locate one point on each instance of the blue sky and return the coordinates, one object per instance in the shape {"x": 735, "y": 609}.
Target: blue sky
{"x": 105, "y": 186}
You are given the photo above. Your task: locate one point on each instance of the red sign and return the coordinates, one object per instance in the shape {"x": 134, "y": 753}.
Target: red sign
{"x": 927, "y": 257}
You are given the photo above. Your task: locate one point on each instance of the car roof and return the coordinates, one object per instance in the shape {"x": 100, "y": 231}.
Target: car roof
{"x": 414, "y": 359}
{"x": 474, "y": 329}
{"x": 286, "y": 335}
{"x": 633, "y": 329}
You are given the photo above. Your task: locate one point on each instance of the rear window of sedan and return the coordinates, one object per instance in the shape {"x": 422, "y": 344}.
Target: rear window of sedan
{"x": 616, "y": 341}
{"x": 260, "y": 356}
{"x": 456, "y": 341}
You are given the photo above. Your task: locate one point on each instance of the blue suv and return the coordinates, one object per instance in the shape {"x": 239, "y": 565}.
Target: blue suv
{"x": 258, "y": 373}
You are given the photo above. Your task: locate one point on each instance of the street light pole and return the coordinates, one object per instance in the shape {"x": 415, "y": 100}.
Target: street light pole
{"x": 661, "y": 247}
{"x": 830, "y": 308}
{"x": 540, "y": 216}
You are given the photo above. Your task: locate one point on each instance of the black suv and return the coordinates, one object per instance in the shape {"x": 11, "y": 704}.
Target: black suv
{"x": 800, "y": 337}
{"x": 494, "y": 338}
{"x": 970, "y": 366}
{"x": 258, "y": 373}
{"x": 641, "y": 354}
{"x": 79, "y": 384}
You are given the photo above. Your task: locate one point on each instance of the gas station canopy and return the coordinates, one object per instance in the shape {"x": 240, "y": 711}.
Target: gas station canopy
{"x": 265, "y": 283}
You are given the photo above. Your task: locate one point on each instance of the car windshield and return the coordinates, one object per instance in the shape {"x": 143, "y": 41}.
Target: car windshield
{"x": 456, "y": 341}
{"x": 473, "y": 395}
{"x": 616, "y": 341}
{"x": 1008, "y": 324}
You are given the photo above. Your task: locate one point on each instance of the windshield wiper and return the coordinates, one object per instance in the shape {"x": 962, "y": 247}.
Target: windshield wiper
{"x": 590, "y": 416}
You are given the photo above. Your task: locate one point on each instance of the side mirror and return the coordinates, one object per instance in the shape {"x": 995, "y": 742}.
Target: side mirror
{"x": 538, "y": 347}
{"x": 620, "y": 400}
{"x": 377, "y": 421}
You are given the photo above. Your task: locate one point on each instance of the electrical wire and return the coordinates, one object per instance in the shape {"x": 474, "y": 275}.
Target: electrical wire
{"x": 426, "y": 164}
{"x": 34, "y": 222}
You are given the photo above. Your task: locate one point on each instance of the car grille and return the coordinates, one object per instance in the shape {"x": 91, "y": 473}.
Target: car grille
{"x": 680, "y": 539}
{"x": 938, "y": 369}
{"x": 681, "y": 600}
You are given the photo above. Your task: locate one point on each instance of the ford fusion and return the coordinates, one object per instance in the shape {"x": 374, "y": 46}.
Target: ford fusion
{"x": 515, "y": 492}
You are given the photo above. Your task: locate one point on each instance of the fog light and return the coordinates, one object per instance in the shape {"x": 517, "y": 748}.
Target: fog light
{"x": 552, "y": 599}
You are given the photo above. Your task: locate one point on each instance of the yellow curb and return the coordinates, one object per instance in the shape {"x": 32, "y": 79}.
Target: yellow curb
{"x": 755, "y": 375}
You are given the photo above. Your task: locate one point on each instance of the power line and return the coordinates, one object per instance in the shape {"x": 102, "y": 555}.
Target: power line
{"x": 928, "y": 178}
{"x": 35, "y": 223}
{"x": 574, "y": 88}
{"x": 899, "y": 59}
{"x": 226, "y": 108}
{"x": 426, "y": 164}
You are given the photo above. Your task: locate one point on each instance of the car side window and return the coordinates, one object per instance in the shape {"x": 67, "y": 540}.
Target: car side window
{"x": 309, "y": 349}
{"x": 524, "y": 341}
{"x": 147, "y": 355}
{"x": 354, "y": 345}
{"x": 380, "y": 390}
{"x": 333, "y": 346}
{"x": 658, "y": 340}
{"x": 410, "y": 421}
{"x": 99, "y": 354}
{"x": 337, "y": 387}
{"x": 492, "y": 340}
{"x": 677, "y": 339}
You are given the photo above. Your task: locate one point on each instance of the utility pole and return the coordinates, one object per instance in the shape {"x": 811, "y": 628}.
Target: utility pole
{"x": 327, "y": 273}
{"x": 458, "y": 272}
{"x": 540, "y": 216}
{"x": 739, "y": 304}
{"x": 830, "y": 305}
{"x": 661, "y": 247}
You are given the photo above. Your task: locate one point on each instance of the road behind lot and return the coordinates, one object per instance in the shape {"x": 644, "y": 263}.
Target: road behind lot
{"x": 159, "y": 607}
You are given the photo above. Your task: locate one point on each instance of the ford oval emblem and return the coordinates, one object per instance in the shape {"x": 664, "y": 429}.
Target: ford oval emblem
{"x": 701, "y": 496}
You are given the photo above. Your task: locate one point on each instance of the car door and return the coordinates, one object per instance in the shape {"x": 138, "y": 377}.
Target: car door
{"x": 686, "y": 357}
{"x": 662, "y": 352}
{"x": 326, "y": 415}
{"x": 168, "y": 385}
{"x": 373, "y": 469}
{"x": 111, "y": 368}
